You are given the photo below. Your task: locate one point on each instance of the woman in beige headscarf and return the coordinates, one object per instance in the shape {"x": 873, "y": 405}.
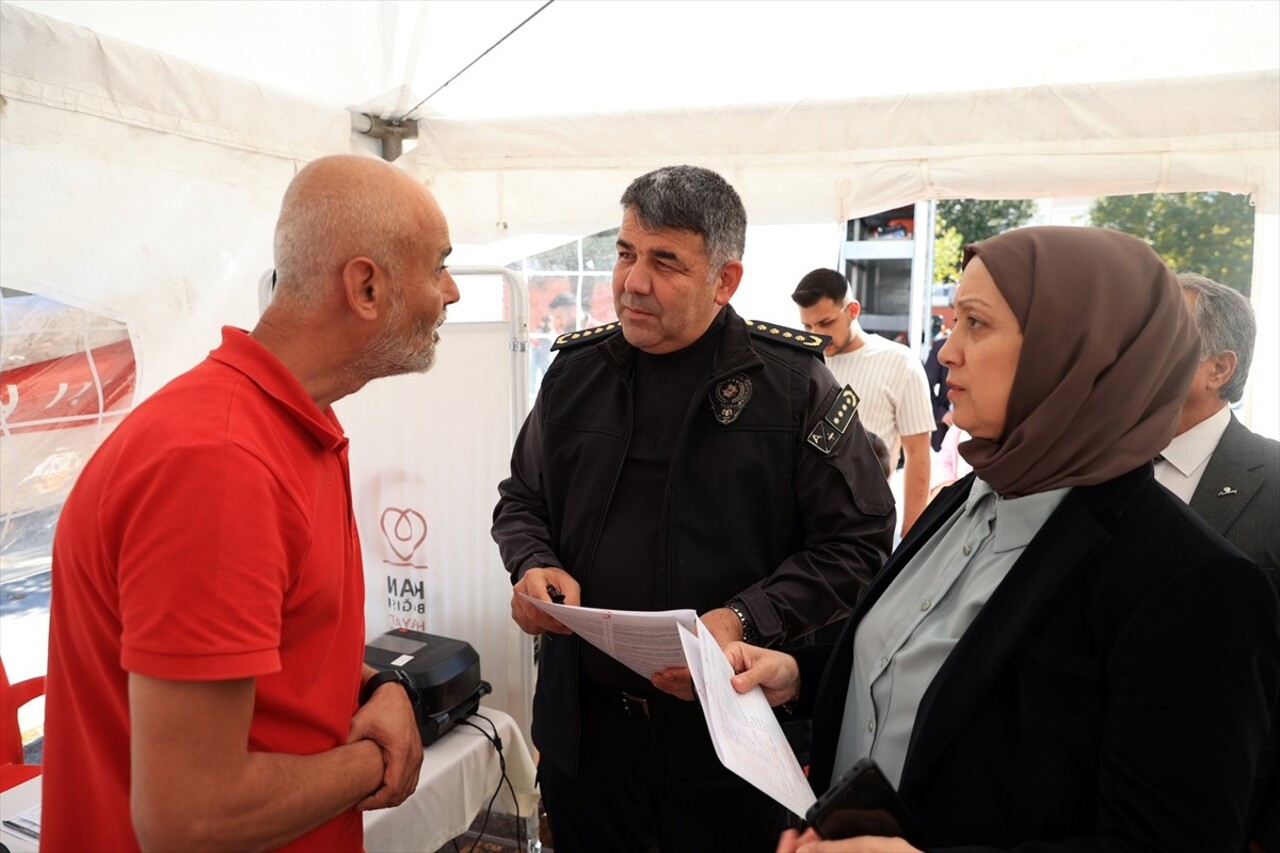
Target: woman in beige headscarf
{"x": 1060, "y": 656}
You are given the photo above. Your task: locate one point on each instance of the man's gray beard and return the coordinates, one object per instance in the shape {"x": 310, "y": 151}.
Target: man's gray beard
{"x": 389, "y": 355}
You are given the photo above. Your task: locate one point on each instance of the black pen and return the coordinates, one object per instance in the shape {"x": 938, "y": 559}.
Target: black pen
{"x": 557, "y": 597}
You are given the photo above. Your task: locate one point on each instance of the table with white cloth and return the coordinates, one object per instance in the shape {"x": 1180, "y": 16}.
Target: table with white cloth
{"x": 460, "y": 773}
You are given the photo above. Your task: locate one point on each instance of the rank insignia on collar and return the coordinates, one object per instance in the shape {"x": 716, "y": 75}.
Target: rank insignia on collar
{"x": 842, "y": 410}
{"x": 795, "y": 337}
{"x": 729, "y": 398}
{"x": 596, "y": 333}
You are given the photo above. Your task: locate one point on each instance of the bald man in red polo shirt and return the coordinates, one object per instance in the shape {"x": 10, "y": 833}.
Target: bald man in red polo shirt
{"x": 207, "y": 631}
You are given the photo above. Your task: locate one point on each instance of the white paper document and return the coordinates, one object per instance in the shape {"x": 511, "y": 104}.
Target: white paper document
{"x": 25, "y": 824}
{"x": 747, "y": 737}
{"x": 646, "y": 642}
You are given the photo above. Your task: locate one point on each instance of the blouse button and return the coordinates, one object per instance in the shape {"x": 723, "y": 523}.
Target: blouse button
{"x": 967, "y": 549}
{"x": 924, "y": 606}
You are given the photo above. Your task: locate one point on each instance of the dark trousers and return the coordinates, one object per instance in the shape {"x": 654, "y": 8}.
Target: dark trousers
{"x": 652, "y": 782}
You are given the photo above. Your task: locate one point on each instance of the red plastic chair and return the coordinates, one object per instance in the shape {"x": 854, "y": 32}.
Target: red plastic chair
{"x": 13, "y": 697}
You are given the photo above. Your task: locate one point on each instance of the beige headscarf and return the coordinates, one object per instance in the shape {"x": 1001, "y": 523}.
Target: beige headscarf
{"x": 1108, "y": 352}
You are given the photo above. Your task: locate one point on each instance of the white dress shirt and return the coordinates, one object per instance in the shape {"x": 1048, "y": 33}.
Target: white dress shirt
{"x": 1184, "y": 460}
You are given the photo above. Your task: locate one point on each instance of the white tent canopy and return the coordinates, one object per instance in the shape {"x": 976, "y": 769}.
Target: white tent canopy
{"x": 146, "y": 145}
{"x": 817, "y": 112}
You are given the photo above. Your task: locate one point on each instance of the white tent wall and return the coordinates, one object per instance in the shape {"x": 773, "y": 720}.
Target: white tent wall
{"x": 427, "y": 452}
{"x": 144, "y": 185}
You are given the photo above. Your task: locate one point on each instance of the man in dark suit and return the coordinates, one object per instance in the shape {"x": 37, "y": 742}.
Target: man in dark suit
{"x": 1229, "y": 475}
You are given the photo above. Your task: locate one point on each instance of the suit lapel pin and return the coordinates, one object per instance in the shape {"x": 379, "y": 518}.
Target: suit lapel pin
{"x": 1227, "y": 490}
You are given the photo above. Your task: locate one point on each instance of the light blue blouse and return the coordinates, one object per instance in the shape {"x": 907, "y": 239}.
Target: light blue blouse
{"x": 905, "y": 637}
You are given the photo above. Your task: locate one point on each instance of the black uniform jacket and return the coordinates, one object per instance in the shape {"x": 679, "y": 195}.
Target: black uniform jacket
{"x": 753, "y": 510}
{"x": 1111, "y": 695}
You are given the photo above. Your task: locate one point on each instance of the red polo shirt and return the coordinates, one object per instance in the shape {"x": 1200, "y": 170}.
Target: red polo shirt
{"x": 211, "y": 537}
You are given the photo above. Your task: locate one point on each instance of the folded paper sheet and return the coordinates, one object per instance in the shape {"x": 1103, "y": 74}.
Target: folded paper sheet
{"x": 744, "y": 731}
{"x": 644, "y": 641}
{"x": 746, "y": 734}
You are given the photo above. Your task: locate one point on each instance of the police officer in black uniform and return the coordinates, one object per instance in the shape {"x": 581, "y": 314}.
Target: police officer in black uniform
{"x": 682, "y": 457}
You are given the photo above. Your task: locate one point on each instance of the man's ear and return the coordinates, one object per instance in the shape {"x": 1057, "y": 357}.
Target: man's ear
{"x": 363, "y": 283}
{"x": 854, "y": 308}
{"x": 1222, "y": 366}
{"x": 727, "y": 281}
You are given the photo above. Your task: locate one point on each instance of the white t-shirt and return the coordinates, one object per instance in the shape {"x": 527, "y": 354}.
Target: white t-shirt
{"x": 891, "y": 386}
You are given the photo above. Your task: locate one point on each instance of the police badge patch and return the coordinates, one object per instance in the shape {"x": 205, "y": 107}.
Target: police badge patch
{"x": 729, "y": 398}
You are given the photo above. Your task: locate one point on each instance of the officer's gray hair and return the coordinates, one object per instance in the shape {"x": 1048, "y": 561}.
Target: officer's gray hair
{"x": 1225, "y": 320}
{"x": 690, "y": 198}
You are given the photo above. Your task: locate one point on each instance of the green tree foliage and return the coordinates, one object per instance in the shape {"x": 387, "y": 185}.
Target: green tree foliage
{"x": 948, "y": 248}
{"x": 1208, "y": 233}
{"x": 978, "y": 219}
{"x": 959, "y": 221}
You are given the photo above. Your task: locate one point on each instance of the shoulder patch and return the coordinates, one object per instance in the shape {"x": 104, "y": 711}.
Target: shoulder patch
{"x": 595, "y": 333}
{"x": 794, "y": 337}
{"x": 825, "y": 434}
{"x": 841, "y": 411}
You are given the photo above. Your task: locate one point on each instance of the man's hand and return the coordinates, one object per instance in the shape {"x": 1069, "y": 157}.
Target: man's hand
{"x": 809, "y": 842}
{"x": 387, "y": 719}
{"x": 777, "y": 673}
{"x": 534, "y": 584}
{"x": 677, "y": 681}
{"x": 725, "y": 627}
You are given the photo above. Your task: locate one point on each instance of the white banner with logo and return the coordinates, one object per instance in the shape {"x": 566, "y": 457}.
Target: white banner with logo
{"x": 427, "y": 452}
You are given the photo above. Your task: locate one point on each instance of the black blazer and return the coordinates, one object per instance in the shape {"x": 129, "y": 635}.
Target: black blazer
{"x": 1111, "y": 695}
{"x": 1239, "y": 494}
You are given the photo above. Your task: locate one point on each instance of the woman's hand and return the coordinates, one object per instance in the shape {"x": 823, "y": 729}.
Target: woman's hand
{"x": 793, "y": 842}
{"x": 777, "y": 673}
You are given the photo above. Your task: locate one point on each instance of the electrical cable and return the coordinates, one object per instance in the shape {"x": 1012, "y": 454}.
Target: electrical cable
{"x": 410, "y": 113}
{"x": 496, "y": 741}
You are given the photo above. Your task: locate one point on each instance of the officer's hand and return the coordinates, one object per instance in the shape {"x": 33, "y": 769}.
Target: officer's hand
{"x": 725, "y": 628}
{"x": 677, "y": 681}
{"x": 534, "y": 584}
{"x": 723, "y": 624}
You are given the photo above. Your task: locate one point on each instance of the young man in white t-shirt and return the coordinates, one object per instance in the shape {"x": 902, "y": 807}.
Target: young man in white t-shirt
{"x": 887, "y": 377}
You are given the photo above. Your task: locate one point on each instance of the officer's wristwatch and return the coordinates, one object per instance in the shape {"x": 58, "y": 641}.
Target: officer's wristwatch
{"x": 385, "y": 676}
{"x": 749, "y": 633}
